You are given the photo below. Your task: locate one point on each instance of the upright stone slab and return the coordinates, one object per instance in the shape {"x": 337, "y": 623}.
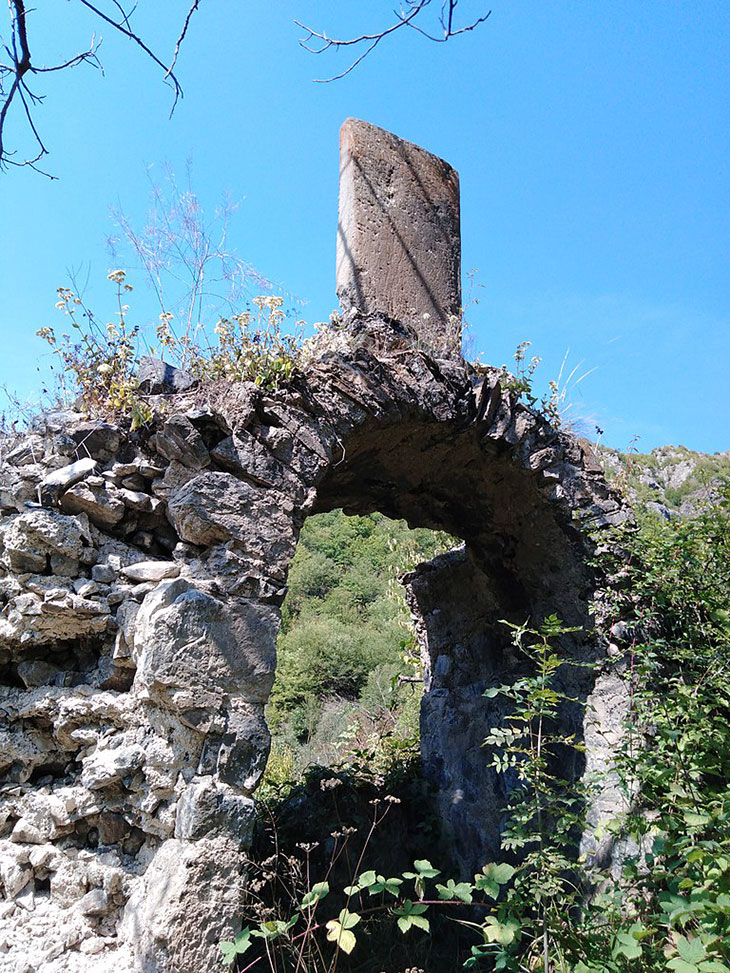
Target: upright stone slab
{"x": 398, "y": 240}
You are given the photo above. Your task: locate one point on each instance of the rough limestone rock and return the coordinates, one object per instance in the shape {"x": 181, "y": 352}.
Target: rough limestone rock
{"x": 137, "y": 637}
{"x": 156, "y": 377}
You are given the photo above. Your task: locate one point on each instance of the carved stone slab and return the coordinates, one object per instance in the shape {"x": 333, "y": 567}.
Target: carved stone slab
{"x": 398, "y": 240}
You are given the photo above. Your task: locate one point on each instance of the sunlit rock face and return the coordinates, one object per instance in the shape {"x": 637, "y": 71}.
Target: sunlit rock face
{"x": 141, "y": 578}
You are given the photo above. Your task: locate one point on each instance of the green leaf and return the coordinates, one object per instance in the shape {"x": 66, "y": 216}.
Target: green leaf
{"x": 367, "y": 879}
{"x": 455, "y": 890}
{"x": 338, "y": 930}
{"x": 229, "y": 952}
{"x": 424, "y": 869}
{"x": 691, "y": 950}
{"x": 390, "y": 885}
{"x": 238, "y": 947}
{"x": 695, "y": 820}
{"x": 492, "y": 876}
{"x": 681, "y": 966}
{"x": 275, "y": 928}
{"x": 626, "y": 945}
{"x": 348, "y": 920}
{"x": 315, "y": 894}
{"x": 411, "y": 914}
{"x": 495, "y": 931}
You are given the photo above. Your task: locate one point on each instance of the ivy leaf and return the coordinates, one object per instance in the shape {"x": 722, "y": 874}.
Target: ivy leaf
{"x": 456, "y": 890}
{"x": 315, "y": 894}
{"x": 338, "y": 930}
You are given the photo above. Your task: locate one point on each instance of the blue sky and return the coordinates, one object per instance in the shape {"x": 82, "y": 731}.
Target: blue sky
{"x": 591, "y": 140}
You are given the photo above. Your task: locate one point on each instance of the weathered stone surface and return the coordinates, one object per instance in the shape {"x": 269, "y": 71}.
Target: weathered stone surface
{"x": 216, "y": 506}
{"x": 193, "y": 649}
{"x": 30, "y": 538}
{"x": 246, "y": 457}
{"x": 156, "y": 377}
{"x": 178, "y": 915}
{"x": 28, "y": 450}
{"x": 398, "y": 238}
{"x": 98, "y": 501}
{"x": 103, "y": 573}
{"x": 180, "y": 441}
{"x": 99, "y": 440}
{"x": 151, "y": 570}
{"x": 55, "y": 483}
{"x": 208, "y": 809}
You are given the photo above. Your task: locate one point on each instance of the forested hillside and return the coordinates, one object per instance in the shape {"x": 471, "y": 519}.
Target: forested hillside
{"x": 346, "y": 639}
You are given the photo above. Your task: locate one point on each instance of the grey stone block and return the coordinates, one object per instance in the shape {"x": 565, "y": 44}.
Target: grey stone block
{"x": 398, "y": 238}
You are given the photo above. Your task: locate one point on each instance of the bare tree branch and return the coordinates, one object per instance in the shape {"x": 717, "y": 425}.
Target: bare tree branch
{"x": 14, "y": 73}
{"x": 317, "y": 42}
{"x": 181, "y": 38}
{"x": 120, "y": 26}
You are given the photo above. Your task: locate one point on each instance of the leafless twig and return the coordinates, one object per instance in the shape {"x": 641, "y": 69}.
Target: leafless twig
{"x": 18, "y": 67}
{"x": 317, "y": 42}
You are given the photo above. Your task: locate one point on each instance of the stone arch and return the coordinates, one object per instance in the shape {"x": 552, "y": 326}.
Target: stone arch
{"x": 152, "y": 566}
{"x": 163, "y": 725}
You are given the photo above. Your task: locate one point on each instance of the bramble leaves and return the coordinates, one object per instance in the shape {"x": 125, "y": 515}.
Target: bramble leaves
{"x": 456, "y": 890}
{"x": 492, "y": 877}
{"x": 339, "y": 930}
{"x": 500, "y": 931}
{"x": 423, "y": 870}
{"x": 315, "y": 895}
{"x": 238, "y": 947}
{"x": 390, "y": 885}
{"x": 410, "y": 916}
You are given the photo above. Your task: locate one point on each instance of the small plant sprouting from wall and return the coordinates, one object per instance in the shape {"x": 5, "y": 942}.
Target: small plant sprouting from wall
{"x": 99, "y": 362}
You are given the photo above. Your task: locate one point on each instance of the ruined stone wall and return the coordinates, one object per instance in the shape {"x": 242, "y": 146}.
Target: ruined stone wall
{"x": 141, "y": 576}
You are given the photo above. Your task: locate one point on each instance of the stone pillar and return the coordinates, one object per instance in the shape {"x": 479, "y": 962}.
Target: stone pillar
{"x": 398, "y": 239}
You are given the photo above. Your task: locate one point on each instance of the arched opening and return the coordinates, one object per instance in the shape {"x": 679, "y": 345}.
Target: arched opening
{"x": 519, "y": 561}
{"x": 349, "y": 674}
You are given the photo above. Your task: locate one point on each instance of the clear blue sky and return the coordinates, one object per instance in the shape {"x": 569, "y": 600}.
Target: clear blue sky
{"x": 591, "y": 140}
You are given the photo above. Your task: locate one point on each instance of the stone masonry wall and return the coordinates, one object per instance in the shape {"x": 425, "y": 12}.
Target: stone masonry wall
{"x": 141, "y": 578}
